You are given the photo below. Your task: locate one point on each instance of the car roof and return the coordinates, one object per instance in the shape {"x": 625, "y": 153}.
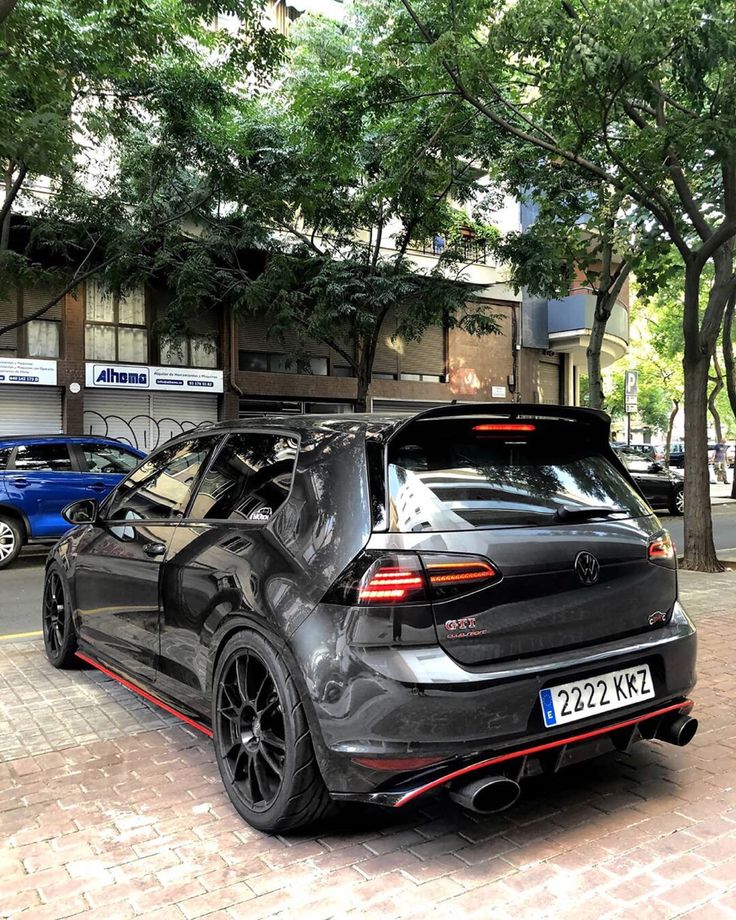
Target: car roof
{"x": 12, "y": 439}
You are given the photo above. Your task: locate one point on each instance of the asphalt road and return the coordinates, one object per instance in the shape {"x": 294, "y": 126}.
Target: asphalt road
{"x": 21, "y": 585}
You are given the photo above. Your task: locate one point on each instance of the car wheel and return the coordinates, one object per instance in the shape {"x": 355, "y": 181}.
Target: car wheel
{"x": 59, "y": 636}
{"x": 678, "y": 501}
{"x": 262, "y": 740}
{"x": 11, "y": 540}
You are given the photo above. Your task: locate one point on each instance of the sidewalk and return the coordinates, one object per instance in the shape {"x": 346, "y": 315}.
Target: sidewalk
{"x": 720, "y": 493}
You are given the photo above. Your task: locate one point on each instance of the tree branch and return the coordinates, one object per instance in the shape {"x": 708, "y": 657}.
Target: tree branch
{"x": 10, "y": 195}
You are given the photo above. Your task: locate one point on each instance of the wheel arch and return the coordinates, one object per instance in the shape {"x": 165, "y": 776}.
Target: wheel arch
{"x": 18, "y": 516}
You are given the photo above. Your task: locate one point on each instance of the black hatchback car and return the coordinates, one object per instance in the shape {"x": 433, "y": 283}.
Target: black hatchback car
{"x": 661, "y": 487}
{"x": 376, "y": 609}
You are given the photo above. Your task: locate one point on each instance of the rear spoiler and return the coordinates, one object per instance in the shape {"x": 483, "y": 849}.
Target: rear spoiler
{"x": 599, "y": 421}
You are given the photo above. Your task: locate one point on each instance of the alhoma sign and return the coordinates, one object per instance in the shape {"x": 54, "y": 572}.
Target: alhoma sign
{"x": 140, "y": 377}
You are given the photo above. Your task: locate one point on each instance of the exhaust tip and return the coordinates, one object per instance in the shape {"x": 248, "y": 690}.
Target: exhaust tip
{"x": 487, "y": 795}
{"x": 679, "y": 731}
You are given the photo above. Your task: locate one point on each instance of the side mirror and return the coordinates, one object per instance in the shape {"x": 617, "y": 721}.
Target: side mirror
{"x": 84, "y": 511}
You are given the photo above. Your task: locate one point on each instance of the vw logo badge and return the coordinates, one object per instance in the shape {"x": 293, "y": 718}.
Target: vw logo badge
{"x": 587, "y": 569}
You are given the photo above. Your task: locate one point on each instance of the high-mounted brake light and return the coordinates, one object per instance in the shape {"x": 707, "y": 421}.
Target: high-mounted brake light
{"x": 661, "y": 549}
{"x": 505, "y": 426}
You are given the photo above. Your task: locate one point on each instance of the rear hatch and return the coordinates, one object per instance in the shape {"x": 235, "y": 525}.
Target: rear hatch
{"x": 547, "y": 502}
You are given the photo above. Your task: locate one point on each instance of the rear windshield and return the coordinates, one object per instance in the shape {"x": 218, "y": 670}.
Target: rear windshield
{"x": 454, "y": 475}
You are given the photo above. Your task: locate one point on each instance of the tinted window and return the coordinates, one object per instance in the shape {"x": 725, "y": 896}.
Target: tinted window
{"x": 104, "y": 458}
{"x": 249, "y": 479}
{"x": 446, "y": 475}
{"x": 43, "y": 457}
{"x": 160, "y": 487}
{"x": 5, "y": 453}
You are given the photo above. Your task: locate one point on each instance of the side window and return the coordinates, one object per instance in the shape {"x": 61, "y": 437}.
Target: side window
{"x": 32, "y": 458}
{"x": 160, "y": 488}
{"x": 249, "y": 479}
{"x": 5, "y": 453}
{"x": 104, "y": 458}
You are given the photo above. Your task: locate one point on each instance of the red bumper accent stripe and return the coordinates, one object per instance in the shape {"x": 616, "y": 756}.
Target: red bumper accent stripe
{"x": 145, "y": 694}
{"x": 537, "y": 749}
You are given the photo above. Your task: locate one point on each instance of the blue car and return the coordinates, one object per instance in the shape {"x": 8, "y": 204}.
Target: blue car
{"x": 39, "y": 476}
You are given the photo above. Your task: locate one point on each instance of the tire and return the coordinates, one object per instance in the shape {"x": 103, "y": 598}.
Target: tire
{"x": 11, "y": 540}
{"x": 678, "y": 501}
{"x": 262, "y": 740}
{"x": 59, "y": 635}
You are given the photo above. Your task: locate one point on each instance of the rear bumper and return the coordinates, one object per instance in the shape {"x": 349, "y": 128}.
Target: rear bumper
{"x": 393, "y": 703}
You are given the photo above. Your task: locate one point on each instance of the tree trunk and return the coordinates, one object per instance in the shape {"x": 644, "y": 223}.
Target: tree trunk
{"x": 713, "y": 395}
{"x": 728, "y": 362}
{"x": 593, "y": 354}
{"x": 699, "y": 550}
{"x": 670, "y": 426}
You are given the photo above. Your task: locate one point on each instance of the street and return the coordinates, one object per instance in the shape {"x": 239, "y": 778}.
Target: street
{"x": 110, "y": 808}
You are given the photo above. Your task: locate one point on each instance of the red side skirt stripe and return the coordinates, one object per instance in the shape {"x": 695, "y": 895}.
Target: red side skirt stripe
{"x": 145, "y": 694}
{"x": 537, "y": 749}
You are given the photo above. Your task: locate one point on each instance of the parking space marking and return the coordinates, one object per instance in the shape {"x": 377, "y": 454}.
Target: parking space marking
{"x": 23, "y": 635}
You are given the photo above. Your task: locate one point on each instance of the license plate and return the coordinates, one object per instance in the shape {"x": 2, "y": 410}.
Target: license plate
{"x": 583, "y": 698}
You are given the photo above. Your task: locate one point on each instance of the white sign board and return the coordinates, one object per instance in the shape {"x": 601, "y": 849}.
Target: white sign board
{"x": 498, "y": 392}
{"x": 142, "y": 377}
{"x": 632, "y": 404}
{"x": 28, "y": 371}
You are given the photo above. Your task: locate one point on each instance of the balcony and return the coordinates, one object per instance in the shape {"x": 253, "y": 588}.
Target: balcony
{"x": 467, "y": 248}
{"x": 570, "y": 321}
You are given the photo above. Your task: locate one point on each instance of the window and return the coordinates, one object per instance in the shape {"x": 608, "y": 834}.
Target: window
{"x": 160, "y": 487}
{"x": 249, "y": 479}
{"x": 42, "y": 337}
{"x": 189, "y": 351}
{"x": 5, "y": 453}
{"x": 33, "y": 458}
{"x": 116, "y": 326}
{"x": 104, "y": 458}
{"x": 281, "y": 364}
{"x": 446, "y": 475}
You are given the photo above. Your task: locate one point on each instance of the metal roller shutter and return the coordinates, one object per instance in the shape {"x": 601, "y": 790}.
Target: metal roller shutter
{"x": 145, "y": 420}
{"x": 253, "y": 336}
{"x": 30, "y": 410}
{"x": 549, "y": 383}
{"x": 386, "y": 360}
{"x": 34, "y": 298}
{"x": 427, "y": 356}
{"x": 9, "y": 314}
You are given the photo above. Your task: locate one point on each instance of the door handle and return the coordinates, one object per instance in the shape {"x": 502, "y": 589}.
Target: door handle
{"x": 20, "y": 481}
{"x": 154, "y": 549}
{"x": 98, "y": 487}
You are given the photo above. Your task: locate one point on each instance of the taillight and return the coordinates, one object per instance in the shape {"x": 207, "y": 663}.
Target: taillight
{"x": 450, "y": 576}
{"x": 392, "y": 584}
{"x": 381, "y": 578}
{"x": 661, "y": 550}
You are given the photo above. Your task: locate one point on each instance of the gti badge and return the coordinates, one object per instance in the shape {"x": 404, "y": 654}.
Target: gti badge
{"x": 462, "y": 623}
{"x": 587, "y": 569}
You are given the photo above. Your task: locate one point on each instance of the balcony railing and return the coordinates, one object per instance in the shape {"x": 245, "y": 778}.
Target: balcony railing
{"x": 467, "y": 248}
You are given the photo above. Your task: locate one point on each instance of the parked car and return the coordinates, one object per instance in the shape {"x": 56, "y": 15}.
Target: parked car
{"x": 661, "y": 487}
{"x": 40, "y": 475}
{"x": 650, "y": 451}
{"x": 378, "y": 609}
{"x": 677, "y": 455}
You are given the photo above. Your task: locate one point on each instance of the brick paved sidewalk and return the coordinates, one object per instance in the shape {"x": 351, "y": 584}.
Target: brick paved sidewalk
{"x": 110, "y": 809}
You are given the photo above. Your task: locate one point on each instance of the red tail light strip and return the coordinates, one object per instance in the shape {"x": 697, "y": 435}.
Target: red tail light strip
{"x": 442, "y": 573}
{"x": 145, "y": 694}
{"x": 391, "y": 583}
{"x": 537, "y": 749}
{"x": 504, "y": 427}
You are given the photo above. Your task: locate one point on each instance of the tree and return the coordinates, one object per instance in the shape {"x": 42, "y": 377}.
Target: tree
{"x": 84, "y": 87}
{"x": 635, "y": 96}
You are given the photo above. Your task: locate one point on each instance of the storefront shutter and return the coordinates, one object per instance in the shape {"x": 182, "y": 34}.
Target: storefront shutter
{"x": 549, "y": 382}
{"x": 30, "y": 410}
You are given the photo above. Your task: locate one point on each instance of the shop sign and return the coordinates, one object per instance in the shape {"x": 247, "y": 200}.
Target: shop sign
{"x": 28, "y": 371}
{"x": 141, "y": 377}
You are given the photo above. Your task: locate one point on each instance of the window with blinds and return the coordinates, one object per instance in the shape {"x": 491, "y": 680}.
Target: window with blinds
{"x": 39, "y": 338}
{"x": 425, "y": 359}
{"x": 115, "y": 327}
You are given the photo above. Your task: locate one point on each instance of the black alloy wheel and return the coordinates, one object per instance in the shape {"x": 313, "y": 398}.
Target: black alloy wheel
{"x": 678, "y": 501}
{"x": 59, "y": 638}
{"x": 262, "y": 740}
{"x": 252, "y": 740}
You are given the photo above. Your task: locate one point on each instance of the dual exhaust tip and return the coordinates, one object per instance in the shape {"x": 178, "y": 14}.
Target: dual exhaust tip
{"x": 489, "y": 794}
